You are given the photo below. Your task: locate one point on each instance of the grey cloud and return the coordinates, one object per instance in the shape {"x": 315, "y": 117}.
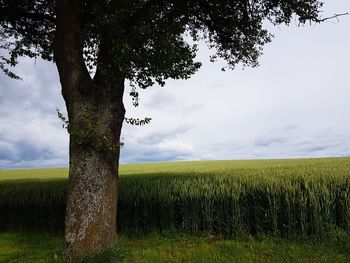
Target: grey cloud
{"x": 17, "y": 154}
{"x": 30, "y": 132}
{"x": 331, "y": 145}
{"x": 158, "y": 137}
{"x": 159, "y": 146}
{"x": 316, "y": 148}
{"x": 294, "y": 143}
{"x": 268, "y": 141}
{"x": 282, "y": 135}
{"x": 39, "y": 89}
{"x": 161, "y": 100}
{"x": 23, "y": 152}
{"x": 136, "y": 154}
{"x": 37, "y": 163}
{"x": 7, "y": 150}
{"x": 166, "y": 101}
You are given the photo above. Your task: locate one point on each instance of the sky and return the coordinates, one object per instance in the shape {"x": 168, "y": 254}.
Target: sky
{"x": 294, "y": 105}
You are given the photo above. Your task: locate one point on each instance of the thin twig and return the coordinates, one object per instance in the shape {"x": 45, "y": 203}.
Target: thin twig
{"x": 335, "y": 16}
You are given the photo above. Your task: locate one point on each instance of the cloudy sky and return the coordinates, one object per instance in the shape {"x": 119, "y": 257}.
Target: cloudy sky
{"x": 296, "y": 104}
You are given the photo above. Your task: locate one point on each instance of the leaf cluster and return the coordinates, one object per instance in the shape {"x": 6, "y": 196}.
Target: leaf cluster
{"x": 26, "y": 29}
{"x": 149, "y": 41}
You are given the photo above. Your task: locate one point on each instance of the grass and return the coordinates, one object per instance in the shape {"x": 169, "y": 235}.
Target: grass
{"x": 36, "y": 248}
{"x": 21, "y": 247}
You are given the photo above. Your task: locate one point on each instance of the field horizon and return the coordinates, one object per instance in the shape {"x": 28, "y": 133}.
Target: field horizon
{"x": 190, "y": 161}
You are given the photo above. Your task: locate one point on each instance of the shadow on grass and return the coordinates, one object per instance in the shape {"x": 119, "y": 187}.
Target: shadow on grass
{"x": 180, "y": 247}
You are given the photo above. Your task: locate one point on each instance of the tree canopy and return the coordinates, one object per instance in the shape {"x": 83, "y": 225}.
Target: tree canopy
{"x": 149, "y": 41}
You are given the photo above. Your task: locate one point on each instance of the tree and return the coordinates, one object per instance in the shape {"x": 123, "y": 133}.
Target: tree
{"x": 143, "y": 41}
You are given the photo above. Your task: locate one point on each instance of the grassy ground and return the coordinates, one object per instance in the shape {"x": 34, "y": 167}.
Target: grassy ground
{"x": 36, "y": 248}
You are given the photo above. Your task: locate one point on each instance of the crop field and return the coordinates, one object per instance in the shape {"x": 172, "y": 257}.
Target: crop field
{"x": 284, "y": 198}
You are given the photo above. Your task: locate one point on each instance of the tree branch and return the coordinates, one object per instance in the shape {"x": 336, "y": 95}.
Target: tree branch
{"x": 335, "y": 16}
{"x": 68, "y": 49}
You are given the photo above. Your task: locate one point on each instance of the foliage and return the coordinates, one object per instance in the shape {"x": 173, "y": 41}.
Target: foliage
{"x": 138, "y": 122}
{"x": 26, "y": 29}
{"x": 149, "y": 41}
{"x": 82, "y": 136}
{"x": 280, "y": 197}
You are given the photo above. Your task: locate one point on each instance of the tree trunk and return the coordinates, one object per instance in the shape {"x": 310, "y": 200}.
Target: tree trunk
{"x": 90, "y": 224}
{"x": 96, "y": 113}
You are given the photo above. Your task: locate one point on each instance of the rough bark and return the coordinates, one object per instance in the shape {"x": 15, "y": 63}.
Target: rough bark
{"x": 96, "y": 113}
{"x": 90, "y": 224}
